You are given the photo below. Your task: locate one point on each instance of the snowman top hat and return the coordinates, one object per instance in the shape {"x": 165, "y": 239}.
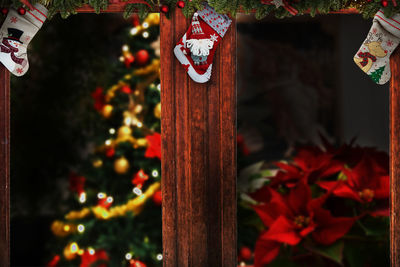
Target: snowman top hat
{"x": 14, "y": 34}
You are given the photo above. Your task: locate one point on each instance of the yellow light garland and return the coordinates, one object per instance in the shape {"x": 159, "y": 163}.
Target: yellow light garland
{"x": 134, "y": 205}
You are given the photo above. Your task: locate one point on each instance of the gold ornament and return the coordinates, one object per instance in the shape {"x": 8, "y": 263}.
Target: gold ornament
{"x": 121, "y": 165}
{"x": 107, "y": 111}
{"x": 62, "y": 229}
{"x": 124, "y": 131}
{"x": 97, "y": 163}
{"x": 157, "y": 111}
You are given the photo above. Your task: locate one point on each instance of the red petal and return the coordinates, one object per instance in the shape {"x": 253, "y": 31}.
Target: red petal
{"x": 265, "y": 251}
{"x": 299, "y": 198}
{"x": 341, "y": 190}
{"x": 330, "y": 228}
{"x": 382, "y": 189}
{"x": 282, "y": 230}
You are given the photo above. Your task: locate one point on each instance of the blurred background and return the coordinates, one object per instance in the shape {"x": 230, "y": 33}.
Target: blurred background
{"x": 296, "y": 82}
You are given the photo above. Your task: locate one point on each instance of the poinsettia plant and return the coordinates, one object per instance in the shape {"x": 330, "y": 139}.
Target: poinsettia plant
{"x": 325, "y": 207}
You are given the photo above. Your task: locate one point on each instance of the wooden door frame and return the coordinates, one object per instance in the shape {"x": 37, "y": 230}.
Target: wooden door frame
{"x": 198, "y": 155}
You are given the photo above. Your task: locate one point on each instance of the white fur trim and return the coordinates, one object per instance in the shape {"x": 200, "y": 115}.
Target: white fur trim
{"x": 199, "y": 78}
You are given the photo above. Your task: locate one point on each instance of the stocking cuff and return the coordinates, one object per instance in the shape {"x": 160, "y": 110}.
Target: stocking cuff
{"x": 37, "y": 15}
{"x": 220, "y": 23}
{"x": 391, "y": 25}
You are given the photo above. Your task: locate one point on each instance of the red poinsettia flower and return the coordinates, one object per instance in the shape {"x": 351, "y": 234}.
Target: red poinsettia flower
{"x": 154, "y": 146}
{"x": 310, "y": 164}
{"x": 364, "y": 183}
{"x": 139, "y": 179}
{"x": 265, "y": 251}
{"x": 87, "y": 258}
{"x": 99, "y": 99}
{"x": 292, "y": 217}
{"x": 76, "y": 183}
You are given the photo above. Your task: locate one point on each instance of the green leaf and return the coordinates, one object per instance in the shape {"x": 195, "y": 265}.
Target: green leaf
{"x": 333, "y": 252}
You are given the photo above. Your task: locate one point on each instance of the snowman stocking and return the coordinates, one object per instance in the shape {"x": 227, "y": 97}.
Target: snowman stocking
{"x": 195, "y": 50}
{"x": 15, "y": 34}
{"x": 382, "y": 40}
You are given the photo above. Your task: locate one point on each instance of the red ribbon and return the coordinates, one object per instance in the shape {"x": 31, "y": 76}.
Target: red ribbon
{"x": 7, "y": 48}
{"x": 394, "y": 2}
{"x": 286, "y": 6}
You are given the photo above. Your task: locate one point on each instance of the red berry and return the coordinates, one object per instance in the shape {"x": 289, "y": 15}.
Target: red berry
{"x": 245, "y": 253}
{"x": 4, "y": 11}
{"x": 384, "y": 3}
{"x": 21, "y": 11}
{"x": 180, "y": 4}
{"x": 164, "y": 9}
{"x": 157, "y": 198}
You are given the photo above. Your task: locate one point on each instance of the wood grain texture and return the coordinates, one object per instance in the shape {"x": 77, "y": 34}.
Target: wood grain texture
{"x": 395, "y": 159}
{"x": 198, "y": 155}
{"x": 4, "y": 166}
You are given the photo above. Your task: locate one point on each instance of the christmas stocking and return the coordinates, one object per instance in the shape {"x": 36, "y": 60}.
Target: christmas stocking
{"x": 382, "y": 40}
{"x": 195, "y": 51}
{"x": 15, "y": 34}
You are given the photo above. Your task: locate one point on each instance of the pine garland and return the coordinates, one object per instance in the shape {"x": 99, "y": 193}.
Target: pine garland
{"x": 367, "y": 8}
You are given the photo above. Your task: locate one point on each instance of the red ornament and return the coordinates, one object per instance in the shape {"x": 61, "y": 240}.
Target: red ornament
{"x": 139, "y": 179}
{"x": 54, "y": 261}
{"x": 245, "y": 253}
{"x": 157, "y": 198}
{"x": 76, "y": 183}
{"x": 136, "y": 263}
{"x": 105, "y": 202}
{"x": 142, "y": 57}
{"x": 164, "y": 9}
{"x": 128, "y": 60}
{"x": 21, "y": 11}
{"x": 384, "y": 3}
{"x": 126, "y": 89}
{"x": 4, "y": 11}
{"x": 180, "y": 4}
{"x": 99, "y": 99}
{"x": 87, "y": 259}
{"x": 135, "y": 20}
{"x": 110, "y": 152}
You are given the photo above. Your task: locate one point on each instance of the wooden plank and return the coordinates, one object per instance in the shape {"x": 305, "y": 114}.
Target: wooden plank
{"x": 395, "y": 159}
{"x": 4, "y": 166}
{"x": 198, "y": 155}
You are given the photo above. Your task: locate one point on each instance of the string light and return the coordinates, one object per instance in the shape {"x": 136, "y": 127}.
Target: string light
{"x": 139, "y": 124}
{"x": 81, "y": 228}
{"x": 91, "y": 251}
{"x": 67, "y": 228}
{"x": 145, "y": 25}
{"x": 154, "y": 173}
{"x": 125, "y": 48}
{"x": 74, "y": 247}
{"x": 121, "y": 58}
{"x": 82, "y": 197}
{"x": 108, "y": 142}
{"x": 101, "y": 195}
{"x": 159, "y": 87}
{"x": 112, "y": 131}
{"x": 128, "y": 256}
{"x": 110, "y": 199}
{"x": 145, "y": 34}
{"x": 159, "y": 257}
{"x": 134, "y": 31}
{"x": 137, "y": 191}
{"x": 128, "y": 121}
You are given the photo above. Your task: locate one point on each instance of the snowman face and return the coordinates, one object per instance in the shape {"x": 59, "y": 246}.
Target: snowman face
{"x": 14, "y": 43}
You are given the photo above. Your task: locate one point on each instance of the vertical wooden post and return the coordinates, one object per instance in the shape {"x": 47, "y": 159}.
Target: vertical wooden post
{"x": 4, "y": 167}
{"x": 395, "y": 159}
{"x": 198, "y": 155}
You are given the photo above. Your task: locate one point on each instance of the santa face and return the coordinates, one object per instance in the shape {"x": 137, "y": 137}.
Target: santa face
{"x": 13, "y": 43}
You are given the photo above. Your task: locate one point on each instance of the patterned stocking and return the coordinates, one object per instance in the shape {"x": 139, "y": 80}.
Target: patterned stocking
{"x": 15, "y": 34}
{"x": 195, "y": 50}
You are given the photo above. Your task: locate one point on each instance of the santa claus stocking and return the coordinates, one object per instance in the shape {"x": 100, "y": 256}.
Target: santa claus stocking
{"x": 195, "y": 50}
{"x": 383, "y": 38}
{"x": 15, "y": 34}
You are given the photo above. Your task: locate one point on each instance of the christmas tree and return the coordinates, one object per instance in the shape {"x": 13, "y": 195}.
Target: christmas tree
{"x": 114, "y": 214}
{"x": 377, "y": 74}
